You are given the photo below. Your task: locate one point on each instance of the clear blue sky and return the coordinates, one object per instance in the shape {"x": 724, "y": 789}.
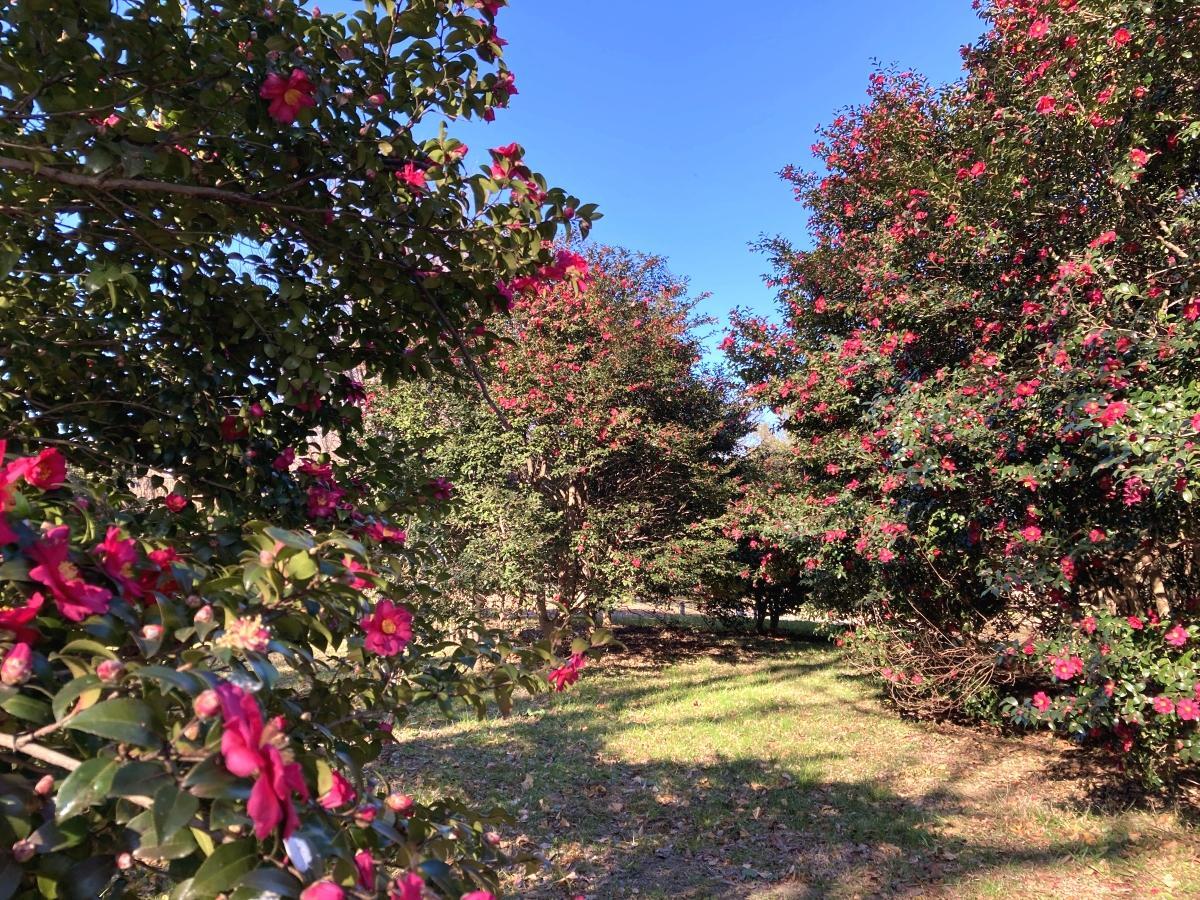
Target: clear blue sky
{"x": 676, "y": 117}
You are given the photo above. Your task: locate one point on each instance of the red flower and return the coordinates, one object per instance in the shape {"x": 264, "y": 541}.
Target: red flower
{"x": 365, "y": 863}
{"x": 1113, "y": 413}
{"x": 1039, "y": 29}
{"x": 117, "y": 557}
{"x": 569, "y": 673}
{"x": 284, "y": 460}
{"x": 323, "y": 890}
{"x": 386, "y": 534}
{"x": 287, "y": 97}
{"x": 16, "y": 620}
{"x": 1046, "y": 104}
{"x": 410, "y": 886}
{"x": 442, "y": 488}
{"x": 76, "y": 599}
{"x": 341, "y": 792}
{"x": 388, "y": 628}
{"x": 413, "y": 176}
{"x": 176, "y": 503}
{"x": 46, "y": 471}
{"x": 1135, "y": 623}
{"x": 232, "y": 429}
{"x": 251, "y": 750}
{"x": 1120, "y": 37}
{"x": 1138, "y": 157}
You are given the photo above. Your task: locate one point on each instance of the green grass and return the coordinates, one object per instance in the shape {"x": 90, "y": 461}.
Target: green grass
{"x": 716, "y": 767}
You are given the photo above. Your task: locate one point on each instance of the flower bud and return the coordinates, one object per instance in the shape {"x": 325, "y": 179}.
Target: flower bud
{"x": 110, "y": 670}
{"x": 44, "y": 786}
{"x": 191, "y": 731}
{"x": 124, "y": 861}
{"x": 23, "y": 851}
{"x": 399, "y": 803}
{"x": 194, "y": 601}
{"x": 266, "y": 558}
{"x": 152, "y": 632}
{"x": 203, "y": 614}
{"x": 493, "y": 838}
{"x": 207, "y": 704}
{"x": 17, "y": 665}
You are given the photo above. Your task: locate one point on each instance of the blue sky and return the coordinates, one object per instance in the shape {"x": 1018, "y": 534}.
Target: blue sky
{"x": 677, "y": 117}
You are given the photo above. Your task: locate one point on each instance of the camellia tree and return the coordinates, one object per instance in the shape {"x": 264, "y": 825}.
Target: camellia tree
{"x": 599, "y": 475}
{"x": 223, "y": 218}
{"x": 987, "y": 364}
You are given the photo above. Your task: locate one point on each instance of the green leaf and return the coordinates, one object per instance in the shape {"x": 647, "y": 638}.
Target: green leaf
{"x": 301, "y": 567}
{"x": 122, "y": 719}
{"x": 221, "y": 871}
{"x": 85, "y": 787}
{"x": 268, "y": 881}
{"x": 72, "y": 691}
{"x": 173, "y": 809}
{"x": 178, "y": 846}
{"x": 25, "y": 707}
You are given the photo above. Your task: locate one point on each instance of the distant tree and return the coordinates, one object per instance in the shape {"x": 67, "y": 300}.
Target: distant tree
{"x": 597, "y": 480}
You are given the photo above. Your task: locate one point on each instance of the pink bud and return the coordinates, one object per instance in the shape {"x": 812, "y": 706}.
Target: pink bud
{"x": 377, "y": 99}
{"x": 207, "y": 704}
{"x": 568, "y": 212}
{"x": 23, "y": 851}
{"x": 44, "y": 786}
{"x": 493, "y": 838}
{"x": 266, "y": 558}
{"x": 124, "y": 861}
{"x": 17, "y": 665}
{"x": 256, "y": 410}
{"x": 203, "y": 614}
{"x": 152, "y": 632}
{"x": 399, "y": 803}
{"x": 110, "y": 670}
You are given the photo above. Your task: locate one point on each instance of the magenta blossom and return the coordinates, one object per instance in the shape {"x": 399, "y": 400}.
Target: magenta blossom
{"x": 117, "y": 558}
{"x": 288, "y": 96}
{"x": 341, "y": 792}
{"x": 251, "y": 750}
{"x": 388, "y": 628}
{"x": 568, "y": 673}
{"x": 75, "y": 598}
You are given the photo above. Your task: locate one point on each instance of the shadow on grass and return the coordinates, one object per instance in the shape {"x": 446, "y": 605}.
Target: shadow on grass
{"x": 718, "y": 826}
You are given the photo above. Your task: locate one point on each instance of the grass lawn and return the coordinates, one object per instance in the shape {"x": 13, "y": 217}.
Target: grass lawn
{"x": 691, "y": 766}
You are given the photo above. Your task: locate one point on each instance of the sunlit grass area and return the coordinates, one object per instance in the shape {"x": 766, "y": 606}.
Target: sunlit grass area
{"x": 688, "y": 766}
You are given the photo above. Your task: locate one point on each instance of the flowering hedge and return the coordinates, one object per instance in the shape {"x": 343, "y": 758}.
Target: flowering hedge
{"x": 229, "y": 218}
{"x": 987, "y": 361}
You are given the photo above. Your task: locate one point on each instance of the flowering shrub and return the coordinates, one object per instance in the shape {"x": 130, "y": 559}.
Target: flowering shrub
{"x": 987, "y": 362}
{"x": 1129, "y": 682}
{"x": 612, "y": 455}
{"x": 175, "y": 709}
{"x": 224, "y": 227}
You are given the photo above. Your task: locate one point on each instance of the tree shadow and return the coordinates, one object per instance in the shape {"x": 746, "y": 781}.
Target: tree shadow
{"x": 717, "y": 826}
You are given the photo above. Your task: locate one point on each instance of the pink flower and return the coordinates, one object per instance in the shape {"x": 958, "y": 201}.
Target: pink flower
{"x": 1067, "y": 667}
{"x": 1031, "y": 533}
{"x": 1096, "y": 535}
{"x": 1113, "y": 413}
{"x": 1039, "y": 29}
{"x": 340, "y": 793}
{"x": 365, "y": 863}
{"x": 207, "y": 704}
{"x": 323, "y": 500}
{"x": 15, "y": 620}
{"x": 17, "y": 665}
{"x": 251, "y": 750}
{"x": 1177, "y": 636}
{"x": 1120, "y": 37}
{"x": 386, "y": 534}
{"x": 1139, "y": 157}
{"x": 289, "y": 96}
{"x": 388, "y": 628}
{"x": 413, "y": 176}
{"x": 1135, "y": 623}
{"x": 117, "y": 557}
{"x": 76, "y": 599}
{"x": 176, "y": 503}
{"x": 1041, "y": 702}
{"x": 441, "y": 488}
{"x": 323, "y": 890}
{"x": 567, "y": 674}
{"x": 1187, "y": 710}
{"x": 409, "y": 886}
{"x": 1164, "y": 706}
{"x": 284, "y": 460}
{"x": 886, "y": 555}
{"x": 46, "y": 471}
{"x": 1046, "y": 105}
{"x": 1195, "y": 423}
{"x": 1088, "y": 624}
{"x": 246, "y": 633}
